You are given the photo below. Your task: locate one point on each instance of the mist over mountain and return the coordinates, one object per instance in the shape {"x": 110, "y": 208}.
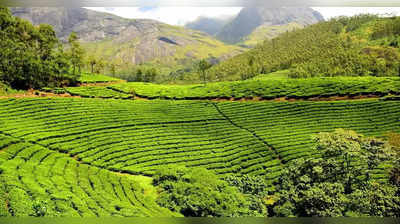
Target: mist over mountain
{"x": 209, "y": 25}
{"x": 250, "y": 19}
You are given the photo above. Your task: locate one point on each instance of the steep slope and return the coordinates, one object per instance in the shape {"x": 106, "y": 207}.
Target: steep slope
{"x": 128, "y": 40}
{"x": 356, "y": 46}
{"x": 249, "y": 19}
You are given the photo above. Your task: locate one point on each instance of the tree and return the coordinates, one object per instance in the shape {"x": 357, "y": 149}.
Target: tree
{"x": 112, "y": 67}
{"x": 30, "y": 57}
{"x": 203, "y": 66}
{"x": 139, "y": 75}
{"x": 76, "y": 52}
{"x": 92, "y": 61}
{"x": 150, "y": 75}
{"x": 329, "y": 184}
{"x": 197, "y": 192}
{"x": 99, "y": 66}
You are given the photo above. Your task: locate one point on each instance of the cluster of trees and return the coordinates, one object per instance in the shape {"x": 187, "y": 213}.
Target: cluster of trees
{"x": 337, "y": 47}
{"x": 340, "y": 181}
{"x": 97, "y": 65}
{"x": 386, "y": 28}
{"x": 138, "y": 74}
{"x": 33, "y": 57}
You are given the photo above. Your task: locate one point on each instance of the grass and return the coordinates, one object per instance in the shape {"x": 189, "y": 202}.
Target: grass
{"x": 268, "y": 88}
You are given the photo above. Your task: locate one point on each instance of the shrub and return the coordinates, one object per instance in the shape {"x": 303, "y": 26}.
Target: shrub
{"x": 198, "y": 193}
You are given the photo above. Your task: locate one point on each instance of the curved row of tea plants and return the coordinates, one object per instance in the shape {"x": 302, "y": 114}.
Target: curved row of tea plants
{"x": 36, "y": 181}
{"x": 139, "y": 137}
{"x": 96, "y": 92}
{"x": 268, "y": 88}
{"x": 289, "y": 127}
{"x": 96, "y": 78}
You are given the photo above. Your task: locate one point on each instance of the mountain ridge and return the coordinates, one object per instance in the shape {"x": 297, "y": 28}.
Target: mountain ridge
{"x": 129, "y": 41}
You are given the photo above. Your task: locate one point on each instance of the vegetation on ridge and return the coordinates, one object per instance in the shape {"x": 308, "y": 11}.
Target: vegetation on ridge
{"x": 333, "y": 48}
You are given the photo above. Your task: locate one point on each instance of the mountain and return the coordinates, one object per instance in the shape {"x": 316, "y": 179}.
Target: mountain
{"x": 209, "y": 25}
{"x": 249, "y": 20}
{"x": 129, "y": 41}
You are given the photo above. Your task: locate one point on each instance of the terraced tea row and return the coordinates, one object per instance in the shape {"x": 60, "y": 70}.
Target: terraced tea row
{"x": 139, "y": 136}
{"x": 33, "y": 177}
{"x": 97, "y": 78}
{"x": 97, "y": 91}
{"x": 268, "y": 88}
{"x": 289, "y": 127}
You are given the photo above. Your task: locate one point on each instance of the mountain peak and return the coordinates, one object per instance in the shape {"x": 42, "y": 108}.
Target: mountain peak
{"x": 250, "y": 18}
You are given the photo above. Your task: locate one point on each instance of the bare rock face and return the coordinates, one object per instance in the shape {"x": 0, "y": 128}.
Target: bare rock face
{"x": 89, "y": 25}
{"x": 129, "y": 40}
{"x": 250, "y": 18}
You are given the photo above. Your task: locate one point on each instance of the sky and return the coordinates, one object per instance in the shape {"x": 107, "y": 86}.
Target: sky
{"x": 182, "y": 15}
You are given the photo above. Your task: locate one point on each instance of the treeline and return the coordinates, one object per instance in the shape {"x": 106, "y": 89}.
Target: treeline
{"x": 138, "y": 74}
{"x": 340, "y": 181}
{"x": 33, "y": 57}
{"x": 332, "y": 48}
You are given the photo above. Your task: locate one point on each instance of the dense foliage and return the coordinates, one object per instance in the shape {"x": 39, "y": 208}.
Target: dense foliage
{"x": 32, "y": 57}
{"x": 338, "y": 182}
{"x": 340, "y": 47}
{"x": 198, "y": 193}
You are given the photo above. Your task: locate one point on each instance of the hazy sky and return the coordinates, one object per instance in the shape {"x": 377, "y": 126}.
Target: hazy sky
{"x": 182, "y": 15}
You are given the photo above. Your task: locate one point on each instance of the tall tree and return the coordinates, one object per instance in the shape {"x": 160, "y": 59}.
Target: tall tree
{"x": 203, "y": 66}
{"x": 29, "y": 55}
{"x": 92, "y": 62}
{"x": 76, "y": 52}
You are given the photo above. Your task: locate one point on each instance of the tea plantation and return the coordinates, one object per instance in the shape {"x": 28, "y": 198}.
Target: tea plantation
{"x": 37, "y": 181}
{"x": 267, "y": 88}
{"x": 138, "y": 137}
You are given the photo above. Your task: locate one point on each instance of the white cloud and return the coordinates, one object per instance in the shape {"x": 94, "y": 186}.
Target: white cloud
{"x": 183, "y": 15}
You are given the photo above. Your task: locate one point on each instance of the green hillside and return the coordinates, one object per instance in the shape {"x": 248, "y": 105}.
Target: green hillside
{"x": 34, "y": 178}
{"x": 356, "y": 46}
{"x": 267, "y": 88}
{"x": 266, "y": 32}
{"x": 138, "y": 137}
{"x": 179, "y": 48}
{"x": 97, "y": 78}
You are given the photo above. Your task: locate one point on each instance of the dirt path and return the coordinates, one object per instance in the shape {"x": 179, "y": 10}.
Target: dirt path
{"x": 34, "y": 93}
